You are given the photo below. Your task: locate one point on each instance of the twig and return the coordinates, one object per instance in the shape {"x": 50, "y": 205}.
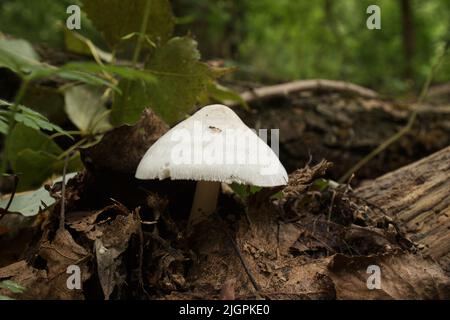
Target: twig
{"x": 330, "y": 210}
{"x": 141, "y": 255}
{"x": 241, "y": 258}
{"x": 13, "y": 193}
{"x": 406, "y": 128}
{"x": 62, "y": 215}
{"x": 306, "y": 85}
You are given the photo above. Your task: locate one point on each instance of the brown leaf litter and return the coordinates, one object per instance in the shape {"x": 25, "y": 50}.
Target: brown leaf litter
{"x": 314, "y": 240}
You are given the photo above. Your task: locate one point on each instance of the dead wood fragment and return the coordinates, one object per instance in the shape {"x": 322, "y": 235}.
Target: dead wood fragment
{"x": 121, "y": 149}
{"x": 418, "y": 198}
{"x": 306, "y": 85}
{"x": 403, "y": 276}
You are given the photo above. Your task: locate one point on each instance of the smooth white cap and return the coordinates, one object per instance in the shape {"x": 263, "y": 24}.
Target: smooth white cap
{"x": 213, "y": 145}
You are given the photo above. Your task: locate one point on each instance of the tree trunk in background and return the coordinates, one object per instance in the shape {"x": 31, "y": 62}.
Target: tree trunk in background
{"x": 408, "y": 37}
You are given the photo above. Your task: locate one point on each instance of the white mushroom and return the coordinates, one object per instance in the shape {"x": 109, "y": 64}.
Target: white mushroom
{"x": 212, "y": 146}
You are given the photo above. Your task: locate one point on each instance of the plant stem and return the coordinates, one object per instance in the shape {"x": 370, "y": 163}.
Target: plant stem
{"x": 11, "y": 122}
{"x": 137, "y": 49}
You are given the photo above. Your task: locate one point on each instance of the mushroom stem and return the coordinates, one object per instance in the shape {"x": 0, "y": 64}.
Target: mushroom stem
{"x": 205, "y": 201}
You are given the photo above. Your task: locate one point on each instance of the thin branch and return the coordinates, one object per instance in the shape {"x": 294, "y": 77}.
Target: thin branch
{"x": 239, "y": 254}
{"x": 62, "y": 215}
{"x": 13, "y": 193}
{"x": 306, "y": 85}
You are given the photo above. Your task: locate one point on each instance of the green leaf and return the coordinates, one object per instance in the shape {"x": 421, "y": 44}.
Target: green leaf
{"x": 70, "y": 72}
{"x": 320, "y": 184}
{"x": 18, "y": 55}
{"x": 244, "y": 191}
{"x": 11, "y": 286}
{"x": 38, "y": 166}
{"x": 23, "y": 137}
{"x": 128, "y": 105}
{"x": 124, "y": 72}
{"x": 224, "y": 95}
{"x": 31, "y": 202}
{"x": 30, "y": 118}
{"x": 34, "y": 156}
{"x": 118, "y": 18}
{"x": 181, "y": 79}
{"x": 5, "y": 298}
{"x": 3, "y": 125}
{"x": 86, "y": 109}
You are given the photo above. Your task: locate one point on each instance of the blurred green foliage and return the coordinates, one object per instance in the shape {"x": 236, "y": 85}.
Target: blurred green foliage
{"x": 297, "y": 39}
{"x": 279, "y": 40}
{"x": 40, "y": 21}
{"x": 164, "y": 73}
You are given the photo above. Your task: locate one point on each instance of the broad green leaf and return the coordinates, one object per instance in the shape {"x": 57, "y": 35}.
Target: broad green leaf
{"x": 11, "y": 286}
{"x": 23, "y": 137}
{"x": 17, "y": 55}
{"x": 85, "y": 108}
{"x": 5, "y": 298}
{"x": 21, "y": 60}
{"x": 118, "y": 18}
{"x": 35, "y": 157}
{"x": 3, "y": 125}
{"x": 128, "y": 105}
{"x": 35, "y": 167}
{"x": 181, "y": 79}
{"x": 31, "y": 202}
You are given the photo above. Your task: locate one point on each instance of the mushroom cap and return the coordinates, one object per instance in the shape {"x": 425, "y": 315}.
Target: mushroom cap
{"x": 213, "y": 145}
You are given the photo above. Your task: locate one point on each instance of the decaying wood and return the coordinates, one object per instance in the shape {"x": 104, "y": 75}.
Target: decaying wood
{"x": 418, "y": 197}
{"x": 439, "y": 90}
{"x": 343, "y": 129}
{"x": 285, "y": 89}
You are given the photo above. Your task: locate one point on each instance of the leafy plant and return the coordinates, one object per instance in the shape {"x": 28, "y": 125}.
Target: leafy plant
{"x": 165, "y": 73}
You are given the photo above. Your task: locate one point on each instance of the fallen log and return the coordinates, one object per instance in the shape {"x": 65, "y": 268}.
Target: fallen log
{"x": 418, "y": 198}
{"x": 344, "y": 128}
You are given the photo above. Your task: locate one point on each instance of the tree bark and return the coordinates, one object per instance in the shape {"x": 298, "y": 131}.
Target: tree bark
{"x": 418, "y": 198}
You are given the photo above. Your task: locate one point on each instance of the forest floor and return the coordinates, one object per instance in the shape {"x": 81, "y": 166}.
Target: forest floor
{"x": 311, "y": 239}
